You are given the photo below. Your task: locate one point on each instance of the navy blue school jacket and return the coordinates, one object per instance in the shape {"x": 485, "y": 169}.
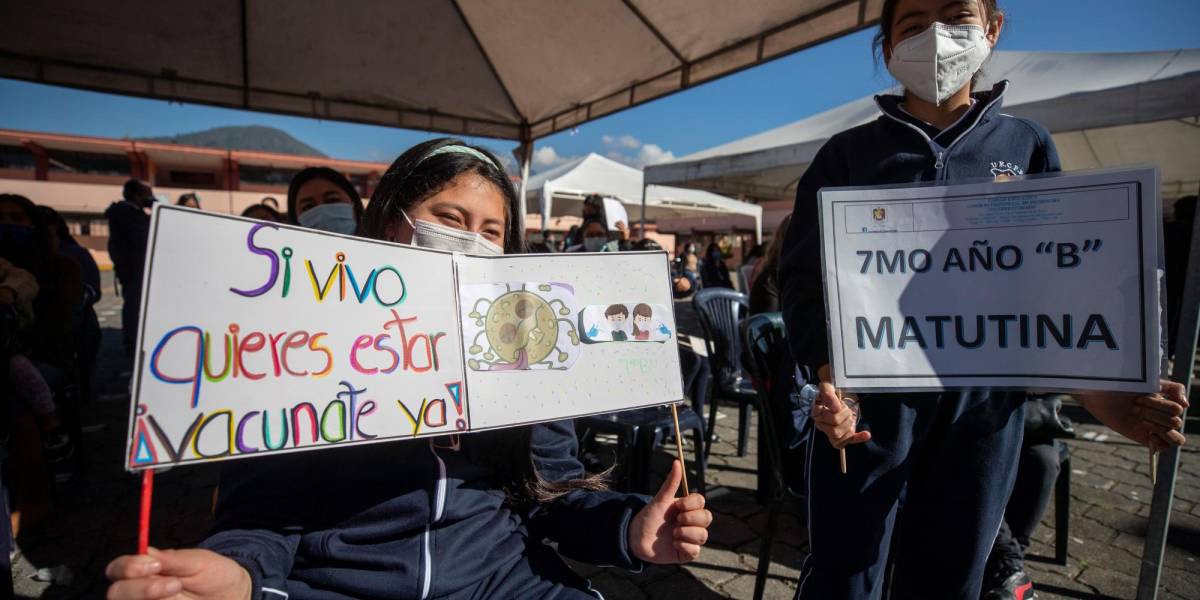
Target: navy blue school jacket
{"x": 410, "y": 519}
{"x": 896, "y": 148}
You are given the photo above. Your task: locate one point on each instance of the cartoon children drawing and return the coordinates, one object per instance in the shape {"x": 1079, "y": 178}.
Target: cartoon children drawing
{"x": 641, "y": 322}
{"x": 617, "y": 314}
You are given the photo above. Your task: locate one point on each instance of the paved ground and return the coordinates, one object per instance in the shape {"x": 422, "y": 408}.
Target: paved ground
{"x": 1110, "y": 498}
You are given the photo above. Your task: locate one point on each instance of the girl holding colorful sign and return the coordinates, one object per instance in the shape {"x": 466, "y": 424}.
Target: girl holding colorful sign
{"x": 451, "y": 517}
{"x": 951, "y": 456}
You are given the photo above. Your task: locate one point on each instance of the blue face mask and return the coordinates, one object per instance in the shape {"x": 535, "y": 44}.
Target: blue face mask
{"x": 335, "y": 218}
{"x": 594, "y": 244}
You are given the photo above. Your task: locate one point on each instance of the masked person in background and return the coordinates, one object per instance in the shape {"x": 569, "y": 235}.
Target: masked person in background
{"x": 951, "y": 455}
{"x": 128, "y": 230}
{"x": 451, "y": 517}
{"x": 320, "y": 198}
{"x": 714, "y": 271}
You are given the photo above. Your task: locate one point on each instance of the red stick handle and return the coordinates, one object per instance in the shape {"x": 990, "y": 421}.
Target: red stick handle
{"x": 144, "y": 519}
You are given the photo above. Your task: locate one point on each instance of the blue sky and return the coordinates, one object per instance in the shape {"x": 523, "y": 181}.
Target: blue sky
{"x": 761, "y": 98}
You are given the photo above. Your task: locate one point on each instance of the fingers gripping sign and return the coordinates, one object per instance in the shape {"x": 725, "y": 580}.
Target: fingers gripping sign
{"x": 836, "y": 415}
{"x": 670, "y": 530}
{"x": 200, "y": 574}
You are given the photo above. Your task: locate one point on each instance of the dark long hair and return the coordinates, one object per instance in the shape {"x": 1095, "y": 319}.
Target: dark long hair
{"x": 413, "y": 178}
{"x": 311, "y": 173}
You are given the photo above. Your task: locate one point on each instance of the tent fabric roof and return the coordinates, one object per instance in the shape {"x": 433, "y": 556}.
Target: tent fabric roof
{"x": 595, "y": 174}
{"x": 1088, "y": 100}
{"x": 469, "y": 67}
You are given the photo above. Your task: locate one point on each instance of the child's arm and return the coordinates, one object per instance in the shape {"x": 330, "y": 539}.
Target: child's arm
{"x": 610, "y": 528}
{"x": 251, "y": 551}
{"x": 1152, "y": 420}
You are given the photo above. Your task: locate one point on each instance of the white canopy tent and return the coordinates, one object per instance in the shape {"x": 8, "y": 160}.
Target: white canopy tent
{"x": 1104, "y": 109}
{"x": 561, "y": 190}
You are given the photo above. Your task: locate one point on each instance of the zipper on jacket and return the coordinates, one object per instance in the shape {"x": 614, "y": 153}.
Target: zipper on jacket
{"x": 439, "y": 506}
{"x": 941, "y": 154}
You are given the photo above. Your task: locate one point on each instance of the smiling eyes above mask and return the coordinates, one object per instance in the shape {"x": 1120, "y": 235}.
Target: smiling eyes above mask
{"x": 939, "y": 61}
{"x": 441, "y": 237}
{"x": 334, "y": 218}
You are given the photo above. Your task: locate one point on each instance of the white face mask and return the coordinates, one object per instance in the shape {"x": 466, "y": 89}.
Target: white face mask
{"x": 939, "y": 61}
{"x": 440, "y": 237}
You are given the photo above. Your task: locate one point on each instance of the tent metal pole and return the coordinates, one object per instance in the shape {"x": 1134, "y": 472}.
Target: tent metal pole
{"x": 1168, "y": 462}
{"x": 642, "y": 234}
{"x": 526, "y": 152}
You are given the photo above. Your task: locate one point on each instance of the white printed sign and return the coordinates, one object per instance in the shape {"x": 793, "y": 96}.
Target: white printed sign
{"x": 1041, "y": 283}
{"x": 261, "y": 338}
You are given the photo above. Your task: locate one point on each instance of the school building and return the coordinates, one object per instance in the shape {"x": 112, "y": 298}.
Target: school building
{"x": 80, "y": 176}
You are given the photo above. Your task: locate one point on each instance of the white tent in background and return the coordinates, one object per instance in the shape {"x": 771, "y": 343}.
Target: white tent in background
{"x": 1104, "y": 109}
{"x": 561, "y": 190}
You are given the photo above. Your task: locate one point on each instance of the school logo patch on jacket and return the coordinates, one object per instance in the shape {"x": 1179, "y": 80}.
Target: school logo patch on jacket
{"x": 1002, "y": 168}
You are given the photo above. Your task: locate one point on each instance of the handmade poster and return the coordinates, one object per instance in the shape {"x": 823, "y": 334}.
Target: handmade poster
{"x": 625, "y": 322}
{"x": 1041, "y": 283}
{"x": 261, "y": 338}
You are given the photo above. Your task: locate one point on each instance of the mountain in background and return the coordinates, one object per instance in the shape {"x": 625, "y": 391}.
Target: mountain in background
{"x": 251, "y": 137}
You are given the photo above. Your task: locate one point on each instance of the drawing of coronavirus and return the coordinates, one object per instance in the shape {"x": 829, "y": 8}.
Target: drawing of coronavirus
{"x": 519, "y": 327}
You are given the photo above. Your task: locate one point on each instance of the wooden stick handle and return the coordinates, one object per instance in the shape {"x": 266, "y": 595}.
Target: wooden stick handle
{"x": 144, "y": 517}
{"x": 842, "y": 459}
{"x": 679, "y": 448}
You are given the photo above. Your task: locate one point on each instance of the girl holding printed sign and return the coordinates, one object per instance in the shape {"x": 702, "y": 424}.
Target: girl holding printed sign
{"x": 451, "y": 517}
{"x": 952, "y": 456}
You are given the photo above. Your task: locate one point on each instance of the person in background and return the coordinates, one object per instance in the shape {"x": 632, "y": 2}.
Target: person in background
{"x": 89, "y": 328}
{"x": 951, "y": 455}
{"x": 26, "y": 241}
{"x": 745, "y": 271}
{"x": 441, "y": 518}
{"x": 595, "y": 227}
{"x": 571, "y": 239}
{"x": 680, "y": 286}
{"x": 690, "y": 265}
{"x": 128, "y": 232}
{"x": 764, "y": 282}
{"x": 593, "y": 207}
{"x": 188, "y": 200}
{"x": 1005, "y": 577}
{"x": 756, "y": 252}
{"x": 321, "y": 198}
{"x": 270, "y": 202}
{"x": 595, "y": 235}
{"x": 713, "y": 272}
{"x": 262, "y": 212}
{"x": 1177, "y": 242}
{"x": 540, "y": 243}
{"x": 30, "y": 419}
